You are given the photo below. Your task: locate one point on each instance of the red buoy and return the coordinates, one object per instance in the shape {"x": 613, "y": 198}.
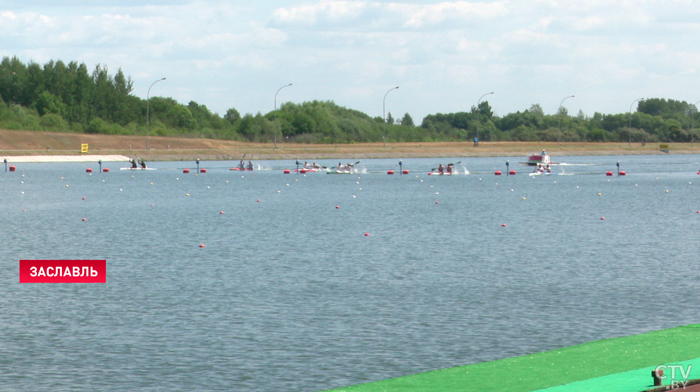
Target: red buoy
{"x": 84, "y": 219}
{"x": 106, "y": 170}
{"x": 603, "y": 218}
{"x": 185, "y": 171}
{"x": 512, "y": 172}
{"x": 83, "y": 198}
{"x": 201, "y": 245}
{"x": 405, "y": 171}
{"x": 88, "y": 170}
{"x": 258, "y": 200}
{"x": 622, "y": 173}
{"x": 437, "y": 202}
{"x": 503, "y": 225}
{"x": 609, "y": 174}
{"x": 302, "y": 171}
{"x": 498, "y": 173}
{"x": 337, "y": 207}
{"x": 203, "y": 170}
{"x": 221, "y": 212}
{"x": 286, "y": 171}
{"x": 390, "y": 172}
{"x": 366, "y": 234}
{"x": 12, "y": 168}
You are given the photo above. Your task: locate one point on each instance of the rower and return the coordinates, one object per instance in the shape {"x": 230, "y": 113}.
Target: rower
{"x": 306, "y": 165}
{"x": 441, "y": 169}
{"x": 316, "y": 165}
{"x": 450, "y": 167}
{"x": 250, "y": 165}
{"x": 241, "y": 165}
{"x": 340, "y": 166}
{"x": 142, "y": 163}
{"x": 133, "y": 163}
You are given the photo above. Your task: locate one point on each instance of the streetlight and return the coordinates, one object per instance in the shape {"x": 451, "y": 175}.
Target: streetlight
{"x": 384, "y": 111}
{"x": 477, "y": 115}
{"x": 630, "y": 124}
{"x": 286, "y": 85}
{"x": 148, "y": 110}
{"x": 559, "y": 110}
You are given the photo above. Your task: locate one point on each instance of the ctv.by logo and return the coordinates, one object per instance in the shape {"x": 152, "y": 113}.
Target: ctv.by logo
{"x": 676, "y": 383}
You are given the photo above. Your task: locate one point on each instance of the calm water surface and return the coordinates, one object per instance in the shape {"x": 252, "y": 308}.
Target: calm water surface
{"x": 289, "y": 294}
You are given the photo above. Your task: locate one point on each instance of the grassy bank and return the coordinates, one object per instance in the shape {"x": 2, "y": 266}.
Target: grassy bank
{"x": 166, "y": 148}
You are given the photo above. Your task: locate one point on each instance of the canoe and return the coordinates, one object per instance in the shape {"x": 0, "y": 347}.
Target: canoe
{"x": 238, "y": 168}
{"x": 137, "y": 168}
{"x": 540, "y": 174}
{"x": 339, "y": 172}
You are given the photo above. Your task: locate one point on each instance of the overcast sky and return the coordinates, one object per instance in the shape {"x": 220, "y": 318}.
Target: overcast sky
{"x": 443, "y": 55}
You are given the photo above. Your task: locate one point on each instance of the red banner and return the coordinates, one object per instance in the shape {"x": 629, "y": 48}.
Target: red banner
{"x": 63, "y": 271}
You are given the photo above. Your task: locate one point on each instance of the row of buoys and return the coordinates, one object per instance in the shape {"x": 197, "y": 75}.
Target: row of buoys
{"x": 391, "y": 172}
{"x": 498, "y": 172}
{"x": 89, "y": 170}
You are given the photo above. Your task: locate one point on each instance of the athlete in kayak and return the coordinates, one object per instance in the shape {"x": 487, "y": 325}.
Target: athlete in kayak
{"x": 450, "y": 168}
{"x": 142, "y": 163}
{"x": 241, "y": 165}
{"x": 306, "y": 165}
{"x": 340, "y": 167}
{"x": 250, "y": 165}
{"x": 316, "y": 165}
{"x": 441, "y": 169}
{"x": 133, "y": 163}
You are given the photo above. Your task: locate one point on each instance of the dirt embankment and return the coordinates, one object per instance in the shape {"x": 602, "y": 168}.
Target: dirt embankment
{"x": 166, "y": 148}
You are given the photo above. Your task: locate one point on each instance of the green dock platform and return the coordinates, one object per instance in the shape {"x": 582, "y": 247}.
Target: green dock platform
{"x": 620, "y": 364}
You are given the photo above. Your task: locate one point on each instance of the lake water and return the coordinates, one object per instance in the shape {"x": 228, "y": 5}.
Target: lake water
{"x": 289, "y": 294}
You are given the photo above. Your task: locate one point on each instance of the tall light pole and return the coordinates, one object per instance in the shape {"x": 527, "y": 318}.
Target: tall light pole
{"x": 692, "y": 134}
{"x": 286, "y": 85}
{"x": 559, "y": 113}
{"x": 630, "y": 124}
{"x": 148, "y": 110}
{"x": 477, "y": 114}
{"x": 384, "y": 111}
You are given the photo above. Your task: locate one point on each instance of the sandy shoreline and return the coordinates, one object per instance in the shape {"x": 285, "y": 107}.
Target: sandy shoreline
{"x": 15, "y": 145}
{"x": 63, "y": 158}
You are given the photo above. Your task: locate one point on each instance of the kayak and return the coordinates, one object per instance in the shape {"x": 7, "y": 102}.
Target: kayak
{"x": 339, "y": 172}
{"x": 541, "y": 174}
{"x": 238, "y": 168}
{"x": 312, "y": 170}
{"x": 137, "y": 168}
{"x": 447, "y": 174}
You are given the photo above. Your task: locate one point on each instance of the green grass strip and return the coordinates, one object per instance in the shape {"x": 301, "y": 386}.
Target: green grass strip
{"x": 635, "y": 380}
{"x": 552, "y": 368}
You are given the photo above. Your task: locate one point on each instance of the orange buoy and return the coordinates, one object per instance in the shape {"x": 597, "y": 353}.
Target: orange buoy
{"x": 83, "y": 198}
{"x": 203, "y": 170}
{"x": 622, "y": 173}
{"x": 201, "y": 245}
{"x": 437, "y": 202}
{"x": 337, "y": 207}
{"x": 258, "y": 200}
{"x": 88, "y": 170}
{"x": 12, "y": 168}
{"x": 405, "y": 171}
{"x": 84, "y": 219}
{"x": 602, "y": 218}
{"x": 185, "y": 171}
{"x": 106, "y": 170}
{"x": 286, "y": 171}
{"x": 609, "y": 174}
{"x": 221, "y": 212}
{"x": 366, "y": 234}
{"x": 503, "y": 225}
{"x": 512, "y": 172}
{"x": 152, "y": 205}
{"x": 390, "y": 172}
{"x": 498, "y": 173}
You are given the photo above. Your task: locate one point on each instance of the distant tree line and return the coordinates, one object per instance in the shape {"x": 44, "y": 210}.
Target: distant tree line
{"x": 63, "y": 97}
